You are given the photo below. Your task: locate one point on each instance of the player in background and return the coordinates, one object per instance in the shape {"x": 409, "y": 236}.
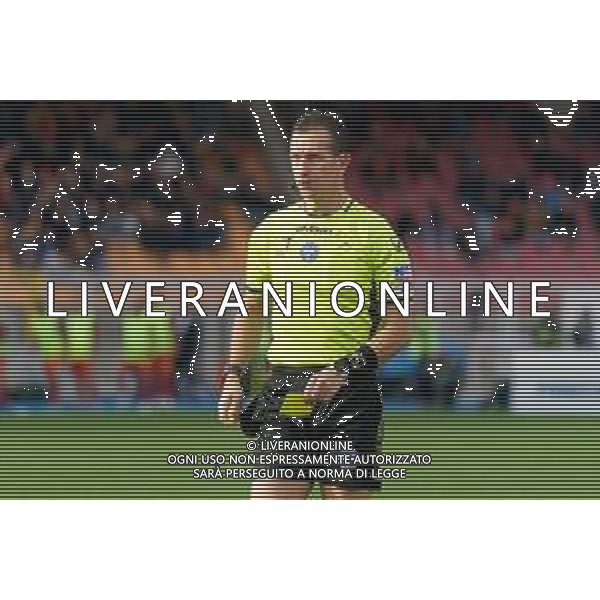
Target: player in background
{"x": 326, "y": 237}
{"x": 146, "y": 378}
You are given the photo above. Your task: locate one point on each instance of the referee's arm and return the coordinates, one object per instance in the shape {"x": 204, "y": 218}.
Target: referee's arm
{"x": 391, "y": 263}
{"x": 393, "y": 334}
{"x": 245, "y": 338}
{"x": 246, "y": 332}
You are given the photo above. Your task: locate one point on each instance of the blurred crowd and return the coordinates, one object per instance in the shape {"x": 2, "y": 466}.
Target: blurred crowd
{"x": 135, "y": 187}
{"x": 75, "y": 174}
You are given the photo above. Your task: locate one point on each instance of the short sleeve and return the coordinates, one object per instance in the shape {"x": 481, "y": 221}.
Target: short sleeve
{"x": 257, "y": 261}
{"x": 390, "y": 261}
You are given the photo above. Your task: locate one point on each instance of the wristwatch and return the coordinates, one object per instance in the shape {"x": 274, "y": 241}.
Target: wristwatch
{"x": 364, "y": 358}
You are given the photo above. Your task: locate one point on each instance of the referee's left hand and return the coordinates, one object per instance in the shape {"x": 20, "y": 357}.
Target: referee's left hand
{"x": 324, "y": 385}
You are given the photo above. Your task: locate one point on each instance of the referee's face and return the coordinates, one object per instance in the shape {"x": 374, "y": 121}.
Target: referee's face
{"x": 317, "y": 167}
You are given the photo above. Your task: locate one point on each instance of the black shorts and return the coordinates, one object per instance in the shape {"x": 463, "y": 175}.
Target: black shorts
{"x": 352, "y": 421}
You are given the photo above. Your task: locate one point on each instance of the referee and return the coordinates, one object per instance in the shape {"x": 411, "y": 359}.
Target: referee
{"x": 321, "y": 366}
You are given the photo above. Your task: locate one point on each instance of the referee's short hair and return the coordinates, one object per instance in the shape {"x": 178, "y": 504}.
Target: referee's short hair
{"x": 330, "y": 122}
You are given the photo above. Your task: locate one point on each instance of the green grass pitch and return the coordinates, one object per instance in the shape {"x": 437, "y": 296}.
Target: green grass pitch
{"x": 493, "y": 455}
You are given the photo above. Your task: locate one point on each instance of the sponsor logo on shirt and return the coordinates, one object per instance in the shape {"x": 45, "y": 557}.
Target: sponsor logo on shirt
{"x": 314, "y": 229}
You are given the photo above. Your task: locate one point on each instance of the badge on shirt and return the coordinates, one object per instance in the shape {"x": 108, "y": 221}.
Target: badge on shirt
{"x": 401, "y": 271}
{"x": 309, "y": 251}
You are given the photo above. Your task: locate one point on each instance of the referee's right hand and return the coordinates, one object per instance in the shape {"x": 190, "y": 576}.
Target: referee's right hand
{"x": 230, "y": 402}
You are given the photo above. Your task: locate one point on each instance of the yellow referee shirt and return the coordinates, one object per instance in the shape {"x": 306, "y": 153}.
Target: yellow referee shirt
{"x": 294, "y": 245}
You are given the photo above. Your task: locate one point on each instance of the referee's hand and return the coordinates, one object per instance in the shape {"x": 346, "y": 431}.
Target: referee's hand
{"x": 324, "y": 385}
{"x": 230, "y": 402}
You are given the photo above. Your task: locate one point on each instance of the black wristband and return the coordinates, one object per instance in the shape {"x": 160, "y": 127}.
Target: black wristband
{"x": 364, "y": 358}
